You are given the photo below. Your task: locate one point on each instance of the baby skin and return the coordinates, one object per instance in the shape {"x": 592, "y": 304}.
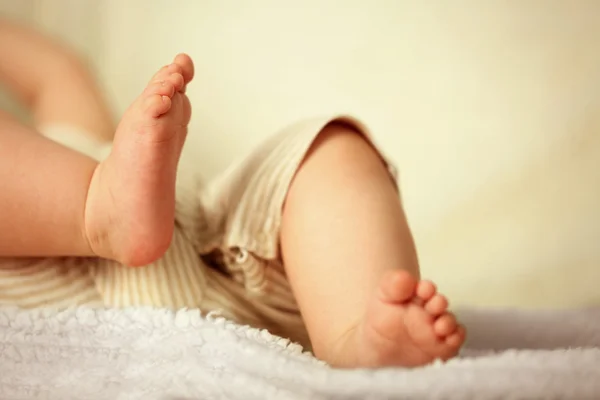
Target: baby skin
{"x": 341, "y": 206}
{"x": 408, "y": 324}
{"x": 130, "y": 207}
{"x": 131, "y": 201}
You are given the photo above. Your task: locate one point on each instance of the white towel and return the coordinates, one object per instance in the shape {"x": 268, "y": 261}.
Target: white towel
{"x": 157, "y": 354}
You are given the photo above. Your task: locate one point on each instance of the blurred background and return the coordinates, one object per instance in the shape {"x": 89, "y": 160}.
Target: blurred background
{"x": 489, "y": 109}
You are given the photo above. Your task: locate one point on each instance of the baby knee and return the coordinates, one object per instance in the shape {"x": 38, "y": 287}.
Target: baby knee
{"x": 345, "y": 147}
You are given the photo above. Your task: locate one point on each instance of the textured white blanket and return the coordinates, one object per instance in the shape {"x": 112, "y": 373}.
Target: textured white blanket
{"x": 156, "y": 354}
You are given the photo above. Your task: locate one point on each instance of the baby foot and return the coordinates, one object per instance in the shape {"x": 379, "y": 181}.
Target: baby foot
{"x": 130, "y": 207}
{"x": 407, "y": 324}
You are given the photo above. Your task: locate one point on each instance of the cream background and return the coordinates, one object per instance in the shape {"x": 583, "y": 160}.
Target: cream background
{"x": 490, "y": 110}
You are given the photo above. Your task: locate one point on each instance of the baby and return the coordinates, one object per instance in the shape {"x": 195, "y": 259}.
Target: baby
{"x": 306, "y": 237}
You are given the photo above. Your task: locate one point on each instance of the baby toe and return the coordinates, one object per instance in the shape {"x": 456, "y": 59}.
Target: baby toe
{"x": 166, "y": 71}
{"x": 174, "y": 68}
{"x": 187, "y": 66}
{"x": 397, "y": 286}
{"x": 177, "y": 81}
{"x": 161, "y": 74}
{"x": 161, "y": 88}
{"x": 445, "y": 325}
{"x": 167, "y": 86}
{"x": 426, "y": 290}
{"x": 156, "y": 105}
{"x": 457, "y": 338}
{"x": 436, "y": 305}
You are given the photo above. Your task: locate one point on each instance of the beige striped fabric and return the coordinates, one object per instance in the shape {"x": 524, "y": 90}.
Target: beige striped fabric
{"x": 224, "y": 254}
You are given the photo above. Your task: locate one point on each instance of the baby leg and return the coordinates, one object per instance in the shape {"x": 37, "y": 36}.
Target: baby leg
{"x": 44, "y": 189}
{"x": 55, "y": 201}
{"x": 52, "y": 81}
{"x": 352, "y": 264}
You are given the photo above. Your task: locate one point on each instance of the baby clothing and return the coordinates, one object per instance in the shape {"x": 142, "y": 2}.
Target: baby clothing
{"x": 224, "y": 254}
